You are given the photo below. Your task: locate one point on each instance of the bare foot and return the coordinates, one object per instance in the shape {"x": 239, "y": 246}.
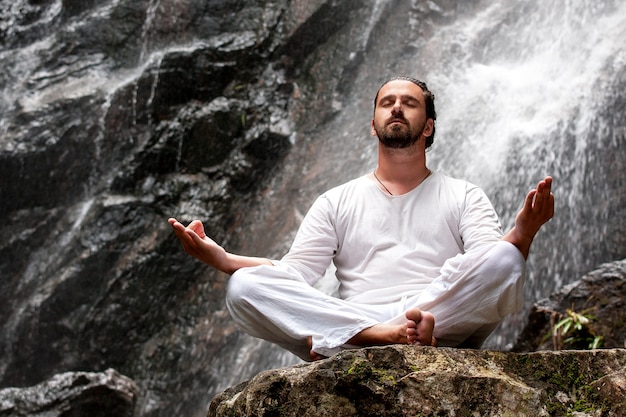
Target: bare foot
{"x": 420, "y": 327}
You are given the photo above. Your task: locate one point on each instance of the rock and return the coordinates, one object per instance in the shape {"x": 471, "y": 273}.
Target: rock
{"x": 408, "y": 381}
{"x": 91, "y": 394}
{"x": 600, "y": 295}
{"x": 115, "y": 115}
{"x": 149, "y": 110}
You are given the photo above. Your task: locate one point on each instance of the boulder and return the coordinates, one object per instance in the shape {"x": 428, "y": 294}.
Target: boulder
{"x": 425, "y": 381}
{"x": 599, "y": 296}
{"x": 73, "y": 394}
{"x": 115, "y": 115}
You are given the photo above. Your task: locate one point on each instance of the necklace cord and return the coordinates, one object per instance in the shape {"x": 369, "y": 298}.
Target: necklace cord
{"x": 381, "y": 183}
{"x": 387, "y": 189}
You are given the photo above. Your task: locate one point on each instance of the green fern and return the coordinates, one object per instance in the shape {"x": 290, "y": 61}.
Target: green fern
{"x": 574, "y": 330}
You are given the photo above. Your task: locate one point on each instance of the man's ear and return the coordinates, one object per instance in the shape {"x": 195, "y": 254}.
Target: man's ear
{"x": 373, "y": 129}
{"x": 428, "y": 129}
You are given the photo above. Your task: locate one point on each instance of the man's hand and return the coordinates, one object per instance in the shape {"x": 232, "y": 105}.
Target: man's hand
{"x": 197, "y": 244}
{"x": 538, "y": 209}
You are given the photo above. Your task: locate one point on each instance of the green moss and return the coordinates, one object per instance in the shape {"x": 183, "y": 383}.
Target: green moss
{"x": 587, "y": 401}
{"x": 566, "y": 373}
{"x": 555, "y": 408}
{"x": 361, "y": 370}
{"x": 566, "y": 376}
{"x": 384, "y": 377}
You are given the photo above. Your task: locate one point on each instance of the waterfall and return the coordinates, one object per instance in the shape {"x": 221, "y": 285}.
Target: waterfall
{"x": 117, "y": 115}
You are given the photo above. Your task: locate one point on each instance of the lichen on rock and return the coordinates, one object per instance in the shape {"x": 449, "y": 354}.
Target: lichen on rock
{"x": 425, "y": 381}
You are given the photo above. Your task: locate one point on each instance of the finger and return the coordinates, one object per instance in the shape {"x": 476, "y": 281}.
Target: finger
{"x": 548, "y": 181}
{"x": 175, "y": 224}
{"x": 197, "y": 227}
{"x": 528, "y": 203}
{"x": 545, "y": 187}
{"x": 193, "y": 236}
{"x": 181, "y": 232}
{"x": 194, "y": 224}
{"x": 540, "y": 195}
{"x": 548, "y": 206}
{"x": 544, "y": 207}
{"x": 184, "y": 238}
{"x": 545, "y": 198}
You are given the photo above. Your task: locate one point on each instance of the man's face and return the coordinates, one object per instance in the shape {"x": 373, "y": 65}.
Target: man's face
{"x": 400, "y": 115}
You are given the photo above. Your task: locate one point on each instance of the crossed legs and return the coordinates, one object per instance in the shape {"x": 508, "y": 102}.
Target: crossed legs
{"x": 275, "y": 304}
{"x": 474, "y": 292}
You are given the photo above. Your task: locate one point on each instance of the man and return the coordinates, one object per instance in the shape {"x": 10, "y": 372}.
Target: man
{"x": 420, "y": 256}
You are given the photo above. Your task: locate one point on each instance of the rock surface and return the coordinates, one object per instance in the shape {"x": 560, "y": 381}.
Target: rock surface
{"x": 600, "y": 295}
{"x": 73, "y": 394}
{"x": 426, "y": 381}
{"x": 117, "y": 114}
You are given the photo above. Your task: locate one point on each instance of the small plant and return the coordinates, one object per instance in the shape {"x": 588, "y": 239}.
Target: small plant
{"x": 574, "y": 331}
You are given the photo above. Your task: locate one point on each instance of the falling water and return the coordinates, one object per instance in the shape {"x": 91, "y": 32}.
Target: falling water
{"x": 530, "y": 103}
{"x": 524, "y": 89}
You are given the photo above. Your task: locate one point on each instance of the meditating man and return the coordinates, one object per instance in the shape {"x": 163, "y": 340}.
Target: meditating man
{"x": 420, "y": 257}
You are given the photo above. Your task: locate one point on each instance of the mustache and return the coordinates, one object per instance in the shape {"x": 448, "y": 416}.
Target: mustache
{"x": 393, "y": 119}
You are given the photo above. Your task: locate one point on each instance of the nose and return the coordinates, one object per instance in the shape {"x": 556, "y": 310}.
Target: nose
{"x": 397, "y": 108}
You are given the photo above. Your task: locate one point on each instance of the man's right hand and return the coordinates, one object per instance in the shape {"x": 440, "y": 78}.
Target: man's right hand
{"x": 197, "y": 244}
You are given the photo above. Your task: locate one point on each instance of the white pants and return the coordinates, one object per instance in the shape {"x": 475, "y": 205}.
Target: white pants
{"x": 473, "y": 293}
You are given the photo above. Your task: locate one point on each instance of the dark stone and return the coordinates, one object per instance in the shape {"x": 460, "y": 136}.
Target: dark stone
{"x": 73, "y": 394}
{"x": 600, "y": 294}
{"x": 117, "y": 115}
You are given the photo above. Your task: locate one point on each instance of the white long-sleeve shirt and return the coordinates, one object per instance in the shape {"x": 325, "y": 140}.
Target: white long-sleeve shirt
{"x": 388, "y": 247}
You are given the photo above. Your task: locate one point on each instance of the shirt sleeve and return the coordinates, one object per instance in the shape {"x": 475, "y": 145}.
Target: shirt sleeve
{"x": 315, "y": 243}
{"x": 479, "y": 223}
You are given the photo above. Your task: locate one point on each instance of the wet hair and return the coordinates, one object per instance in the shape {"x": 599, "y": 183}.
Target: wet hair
{"x": 429, "y": 99}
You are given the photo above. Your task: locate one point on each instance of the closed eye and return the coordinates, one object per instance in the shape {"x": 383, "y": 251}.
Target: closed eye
{"x": 408, "y": 101}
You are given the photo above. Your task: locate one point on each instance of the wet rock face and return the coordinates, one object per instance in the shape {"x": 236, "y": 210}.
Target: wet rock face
{"x": 409, "y": 381}
{"x": 116, "y": 115}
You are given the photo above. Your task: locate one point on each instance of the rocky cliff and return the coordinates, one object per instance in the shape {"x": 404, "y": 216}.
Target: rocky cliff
{"x": 117, "y": 114}
{"x": 600, "y": 296}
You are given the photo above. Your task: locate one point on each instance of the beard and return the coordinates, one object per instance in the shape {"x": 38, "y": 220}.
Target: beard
{"x": 398, "y": 136}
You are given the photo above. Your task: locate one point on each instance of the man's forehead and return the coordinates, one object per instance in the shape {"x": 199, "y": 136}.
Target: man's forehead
{"x": 401, "y": 88}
